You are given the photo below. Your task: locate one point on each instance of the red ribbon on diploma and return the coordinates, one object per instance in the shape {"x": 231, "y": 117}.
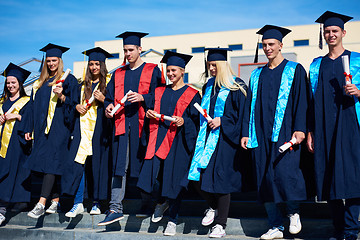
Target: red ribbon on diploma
{"x": 119, "y": 102}
{"x": 162, "y": 118}
{"x": 348, "y": 77}
{"x": 87, "y": 103}
{"x": 205, "y": 113}
{"x": 291, "y": 148}
{"x": 60, "y": 81}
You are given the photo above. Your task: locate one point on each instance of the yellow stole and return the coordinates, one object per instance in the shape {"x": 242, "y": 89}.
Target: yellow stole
{"x": 9, "y": 125}
{"x": 52, "y": 104}
{"x": 87, "y": 127}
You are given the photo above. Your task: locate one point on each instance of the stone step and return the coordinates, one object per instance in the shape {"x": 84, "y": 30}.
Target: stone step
{"x": 85, "y": 224}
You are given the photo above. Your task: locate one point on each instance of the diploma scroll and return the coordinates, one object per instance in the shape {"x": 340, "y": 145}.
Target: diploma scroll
{"x": 162, "y": 116}
{"x": 287, "y": 145}
{"x": 202, "y": 111}
{"x": 63, "y": 77}
{"x": 122, "y": 103}
{"x": 346, "y": 66}
{"x": 11, "y": 109}
{"x": 90, "y": 101}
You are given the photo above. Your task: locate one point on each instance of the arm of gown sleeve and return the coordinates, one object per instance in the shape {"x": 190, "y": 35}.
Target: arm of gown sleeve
{"x": 191, "y": 118}
{"x": 110, "y": 90}
{"x": 28, "y": 124}
{"x": 155, "y": 82}
{"x": 246, "y": 115}
{"x": 26, "y": 115}
{"x": 231, "y": 120}
{"x": 300, "y": 101}
{"x": 71, "y": 89}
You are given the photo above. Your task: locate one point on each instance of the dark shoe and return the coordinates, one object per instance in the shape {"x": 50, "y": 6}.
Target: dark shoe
{"x": 144, "y": 212}
{"x": 111, "y": 217}
{"x": 19, "y": 207}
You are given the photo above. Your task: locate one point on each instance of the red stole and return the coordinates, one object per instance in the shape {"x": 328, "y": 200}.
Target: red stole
{"x": 181, "y": 105}
{"x": 144, "y": 86}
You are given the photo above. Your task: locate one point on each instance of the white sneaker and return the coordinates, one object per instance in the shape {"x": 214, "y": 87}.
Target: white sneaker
{"x": 295, "y": 223}
{"x": 53, "y": 207}
{"x": 95, "y": 210}
{"x": 38, "y": 211}
{"x": 272, "y": 234}
{"x": 76, "y": 209}
{"x": 159, "y": 211}
{"x": 170, "y": 229}
{"x": 2, "y": 219}
{"x": 217, "y": 231}
{"x": 209, "y": 217}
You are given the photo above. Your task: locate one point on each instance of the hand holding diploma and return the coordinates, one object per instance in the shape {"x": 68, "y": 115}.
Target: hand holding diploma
{"x": 163, "y": 117}
{"x": 121, "y": 103}
{"x": 296, "y": 138}
{"x": 202, "y": 111}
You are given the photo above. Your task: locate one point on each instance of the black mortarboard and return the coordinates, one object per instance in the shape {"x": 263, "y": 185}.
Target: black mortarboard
{"x": 53, "y": 50}
{"x": 16, "y": 71}
{"x": 273, "y": 32}
{"x": 217, "y": 54}
{"x": 176, "y": 59}
{"x": 97, "y": 54}
{"x": 132, "y": 38}
{"x": 333, "y": 19}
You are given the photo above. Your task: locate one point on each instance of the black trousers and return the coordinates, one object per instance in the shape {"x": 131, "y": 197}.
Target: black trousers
{"x": 221, "y": 202}
{"x": 49, "y": 186}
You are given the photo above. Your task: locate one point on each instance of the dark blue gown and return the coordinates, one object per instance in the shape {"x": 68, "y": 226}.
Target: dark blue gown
{"x": 279, "y": 177}
{"x": 337, "y": 135}
{"x": 120, "y": 143}
{"x": 97, "y": 165}
{"x": 225, "y": 171}
{"x": 48, "y": 151}
{"x": 176, "y": 165}
{"x": 14, "y": 178}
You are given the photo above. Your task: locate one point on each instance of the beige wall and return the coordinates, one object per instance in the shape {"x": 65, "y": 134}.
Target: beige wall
{"x": 248, "y": 38}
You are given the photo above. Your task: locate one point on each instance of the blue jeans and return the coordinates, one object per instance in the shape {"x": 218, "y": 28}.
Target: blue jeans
{"x": 79, "y": 197}
{"x": 275, "y": 216}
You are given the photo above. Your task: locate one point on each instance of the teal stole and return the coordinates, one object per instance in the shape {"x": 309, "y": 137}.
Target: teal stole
{"x": 206, "y": 147}
{"x": 284, "y": 92}
{"x": 354, "y": 71}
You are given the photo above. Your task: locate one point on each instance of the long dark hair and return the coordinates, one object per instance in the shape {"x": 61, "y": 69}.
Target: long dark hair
{"x": 89, "y": 77}
{"x": 6, "y": 93}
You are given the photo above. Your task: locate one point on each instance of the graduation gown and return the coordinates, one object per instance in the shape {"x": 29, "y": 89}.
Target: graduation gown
{"x": 97, "y": 165}
{"x": 279, "y": 177}
{"x": 336, "y": 134}
{"x": 137, "y": 146}
{"x": 176, "y": 164}
{"x": 224, "y": 173}
{"x": 48, "y": 151}
{"x": 14, "y": 178}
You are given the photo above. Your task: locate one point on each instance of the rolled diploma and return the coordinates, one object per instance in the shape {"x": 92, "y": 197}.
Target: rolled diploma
{"x": 10, "y": 109}
{"x": 287, "y": 145}
{"x": 199, "y": 108}
{"x": 165, "y": 117}
{"x": 92, "y": 98}
{"x": 123, "y": 100}
{"x": 66, "y": 74}
{"x": 346, "y": 66}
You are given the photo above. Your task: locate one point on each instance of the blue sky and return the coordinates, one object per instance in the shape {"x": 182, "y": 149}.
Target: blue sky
{"x": 27, "y": 26}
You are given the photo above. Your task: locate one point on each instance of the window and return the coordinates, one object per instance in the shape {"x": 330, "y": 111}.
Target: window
{"x": 298, "y": 43}
{"x": 198, "y": 49}
{"x": 171, "y": 50}
{"x": 186, "y": 77}
{"x": 235, "y": 47}
{"x": 115, "y": 55}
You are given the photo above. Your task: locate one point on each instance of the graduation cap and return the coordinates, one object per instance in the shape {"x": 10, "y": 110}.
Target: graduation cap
{"x": 176, "y": 59}
{"x": 53, "y": 50}
{"x": 217, "y": 54}
{"x": 329, "y": 18}
{"x": 16, "y": 71}
{"x": 273, "y": 32}
{"x": 97, "y": 54}
{"x": 270, "y": 32}
{"x": 132, "y": 38}
{"x": 333, "y": 19}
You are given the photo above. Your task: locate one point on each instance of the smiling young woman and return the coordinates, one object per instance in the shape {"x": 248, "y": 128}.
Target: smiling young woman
{"x": 14, "y": 179}
{"x": 51, "y": 103}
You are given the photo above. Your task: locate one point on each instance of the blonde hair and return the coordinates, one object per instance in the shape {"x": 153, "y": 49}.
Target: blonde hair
{"x": 225, "y": 77}
{"x": 45, "y": 73}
